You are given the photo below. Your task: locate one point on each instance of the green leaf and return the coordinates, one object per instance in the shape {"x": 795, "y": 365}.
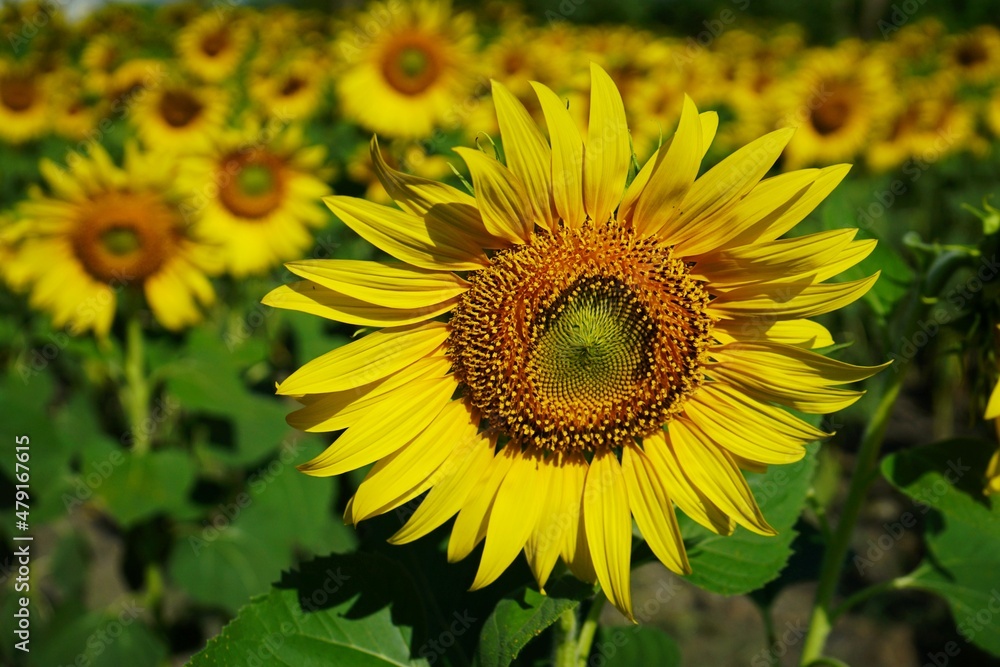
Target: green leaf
{"x": 963, "y": 535}
{"x": 627, "y": 646}
{"x": 250, "y": 538}
{"x": 355, "y": 609}
{"x": 101, "y": 639}
{"x": 745, "y": 561}
{"x": 146, "y": 484}
{"x": 523, "y": 615}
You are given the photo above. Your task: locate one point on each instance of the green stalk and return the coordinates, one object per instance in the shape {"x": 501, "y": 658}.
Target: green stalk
{"x": 135, "y": 394}
{"x": 821, "y": 621}
{"x": 565, "y": 640}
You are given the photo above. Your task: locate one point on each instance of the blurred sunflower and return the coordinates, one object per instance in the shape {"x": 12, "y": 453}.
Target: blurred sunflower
{"x": 106, "y": 228}
{"x": 257, "y": 191}
{"x": 931, "y": 111}
{"x": 177, "y": 117}
{"x": 212, "y": 46}
{"x": 25, "y": 101}
{"x": 610, "y": 352}
{"x": 410, "y": 75}
{"x": 293, "y": 90}
{"x": 837, "y": 101}
{"x": 975, "y": 56}
{"x": 101, "y": 56}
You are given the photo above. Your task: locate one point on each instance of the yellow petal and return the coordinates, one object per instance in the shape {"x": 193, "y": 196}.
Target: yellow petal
{"x": 855, "y": 252}
{"x": 441, "y": 204}
{"x": 760, "y": 431}
{"x": 338, "y": 410}
{"x": 709, "y": 122}
{"x": 502, "y": 199}
{"x": 567, "y": 157}
{"x": 653, "y": 510}
{"x": 689, "y": 498}
{"x": 789, "y": 301}
{"x": 408, "y": 472}
{"x": 373, "y": 436}
{"x": 993, "y": 475}
{"x": 375, "y": 356}
{"x": 423, "y": 242}
{"x": 723, "y": 186}
{"x": 772, "y": 361}
{"x": 993, "y": 405}
{"x": 574, "y": 549}
{"x": 801, "y": 333}
{"x": 783, "y": 260}
{"x": 389, "y": 284}
{"x": 609, "y": 528}
{"x": 607, "y": 154}
{"x": 519, "y": 502}
{"x": 774, "y": 226}
{"x": 715, "y": 474}
{"x": 470, "y": 526}
{"x": 451, "y": 485}
{"x": 672, "y": 176}
{"x": 558, "y": 514}
{"x": 308, "y": 297}
{"x": 528, "y": 154}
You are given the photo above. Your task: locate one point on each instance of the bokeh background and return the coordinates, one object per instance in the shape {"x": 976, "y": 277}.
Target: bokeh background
{"x": 164, "y": 494}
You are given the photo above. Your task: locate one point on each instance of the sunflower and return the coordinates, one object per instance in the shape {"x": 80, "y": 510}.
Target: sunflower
{"x": 101, "y": 56}
{"x": 837, "y": 101}
{"x": 106, "y": 230}
{"x": 72, "y": 114}
{"x": 175, "y": 117}
{"x": 25, "y": 101}
{"x": 411, "y": 75}
{"x": 213, "y": 46}
{"x": 294, "y": 90}
{"x": 559, "y": 353}
{"x": 975, "y": 56}
{"x": 257, "y": 191}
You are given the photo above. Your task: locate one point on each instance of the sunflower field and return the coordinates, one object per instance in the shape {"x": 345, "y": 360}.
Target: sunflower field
{"x": 575, "y": 333}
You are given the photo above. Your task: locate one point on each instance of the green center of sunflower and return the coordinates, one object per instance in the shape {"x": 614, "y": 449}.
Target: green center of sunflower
{"x": 590, "y": 343}
{"x": 413, "y": 61}
{"x": 582, "y": 339}
{"x": 121, "y": 240}
{"x": 255, "y": 180}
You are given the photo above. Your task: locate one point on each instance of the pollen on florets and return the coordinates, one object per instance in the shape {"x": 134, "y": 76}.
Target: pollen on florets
{"x": 581, "y": 339}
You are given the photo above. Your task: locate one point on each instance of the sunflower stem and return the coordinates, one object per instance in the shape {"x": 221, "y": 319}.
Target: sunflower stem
{"x": 135, "y": 393}
{"x": 588, "y": 630}
{"x": 871, "y": 591}
{"x": 821, "y": 621}
{"x": 565, "y": 640}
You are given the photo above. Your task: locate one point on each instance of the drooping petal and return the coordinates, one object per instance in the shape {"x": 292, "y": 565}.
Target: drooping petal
{"x": 649, "y": 500}
{"x": 607, "y": 154}
{"x": 375, "y": 356}
{"x": 609, "y": 528}
{"x": 409, "y": 472}
{"x": 567, "y": 158}
{"x": 713, "y": 471}
{"x": 528, "y": 154}
{"x": 473, "y": 519}
{"x": 423, "y": 242}
{"x": 502, "y": 199}
{"x": 574, "y": 550}
{"x": 688, "y": 497}
{"x": 452, "y": 484}
{"x": 518, "y": 505}
{"x": 559, "y": 513}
